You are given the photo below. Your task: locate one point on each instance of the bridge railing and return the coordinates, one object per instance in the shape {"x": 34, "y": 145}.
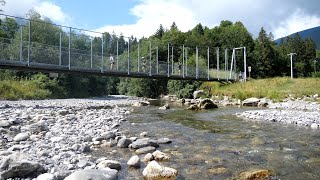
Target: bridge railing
{"x": 74, "y": 49}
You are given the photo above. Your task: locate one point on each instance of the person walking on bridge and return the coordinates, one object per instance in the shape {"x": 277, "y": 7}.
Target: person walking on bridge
{"x": 111, "y": 62}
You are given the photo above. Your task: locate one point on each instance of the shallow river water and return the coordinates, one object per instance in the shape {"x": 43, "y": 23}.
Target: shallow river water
{"x": 215, "y": 144}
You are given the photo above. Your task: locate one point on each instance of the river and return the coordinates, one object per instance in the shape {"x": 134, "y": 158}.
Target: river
{"x": 215, "y": 144}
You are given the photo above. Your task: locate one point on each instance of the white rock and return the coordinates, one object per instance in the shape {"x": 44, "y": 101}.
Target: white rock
{"x": 110, "y": 164}
{"x": 56, "y": 139}
{"x": 134, "y": 161}
{"x": 46, "y": 176}
{"x": 21, "y": 137}
{"x": 155, "y": 171}
{"x": 143, "y": 134}
{"x": 314, "y": 126}
{"x": 160, "y": 156}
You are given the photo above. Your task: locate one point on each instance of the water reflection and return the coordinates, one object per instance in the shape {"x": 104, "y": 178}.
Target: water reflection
{"x": 217, "y": 145}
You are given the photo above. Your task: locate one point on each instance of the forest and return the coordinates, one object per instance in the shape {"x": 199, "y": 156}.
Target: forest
{"x": 266, "y": 58}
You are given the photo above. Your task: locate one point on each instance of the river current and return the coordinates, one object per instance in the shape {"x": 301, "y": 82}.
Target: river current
{"x": 215, "y": 144}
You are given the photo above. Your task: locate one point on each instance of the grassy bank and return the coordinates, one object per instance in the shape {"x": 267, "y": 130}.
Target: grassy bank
{"x": 22, "y": 89}
{"x": 273, "y": 88}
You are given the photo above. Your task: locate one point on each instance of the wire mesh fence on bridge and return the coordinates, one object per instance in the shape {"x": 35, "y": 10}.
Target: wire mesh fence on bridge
{"x": 44, "y": 44}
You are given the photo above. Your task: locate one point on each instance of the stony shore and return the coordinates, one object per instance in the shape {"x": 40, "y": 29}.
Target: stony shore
{"x": 297, "y": 112}
{"x": 53, "y": 139}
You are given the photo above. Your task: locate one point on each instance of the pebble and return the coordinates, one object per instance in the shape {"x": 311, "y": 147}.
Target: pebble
{"x": 299, "y": 113}
{"x": 58, "y": 133}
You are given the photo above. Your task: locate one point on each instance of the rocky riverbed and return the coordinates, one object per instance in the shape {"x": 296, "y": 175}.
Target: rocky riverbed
{"x": 53, "y": 139}
{"x": 297, "y": 112}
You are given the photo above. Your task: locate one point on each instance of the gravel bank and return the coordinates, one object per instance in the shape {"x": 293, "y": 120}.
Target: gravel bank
{"x": 301, "y": 113}
{"x": 56, "y": 136}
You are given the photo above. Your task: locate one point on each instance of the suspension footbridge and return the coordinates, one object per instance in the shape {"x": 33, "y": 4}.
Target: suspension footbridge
{"x": 36, "y": 47}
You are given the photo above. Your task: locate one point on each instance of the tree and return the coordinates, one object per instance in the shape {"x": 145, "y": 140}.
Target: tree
{"x": 306, "y": 53}
{"x": 159, "y": 32}
{"x": 173, "y": 27}
{"x": 264, "y": 56}
{"x": 8, "y": 28}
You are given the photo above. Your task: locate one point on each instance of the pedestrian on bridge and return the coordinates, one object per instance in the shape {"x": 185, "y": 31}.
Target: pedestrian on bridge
{"x": 111, "y": 62}
{"x": 179, "y": 67}
{"x": 144, "y": 63}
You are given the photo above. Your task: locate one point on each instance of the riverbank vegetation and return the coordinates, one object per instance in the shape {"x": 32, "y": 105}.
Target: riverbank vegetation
{"x": 273, "y": 88}
{"x": 267, "y": 60}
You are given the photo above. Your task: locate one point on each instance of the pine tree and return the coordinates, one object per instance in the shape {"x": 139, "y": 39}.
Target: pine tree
{"x": 160, "y": 32}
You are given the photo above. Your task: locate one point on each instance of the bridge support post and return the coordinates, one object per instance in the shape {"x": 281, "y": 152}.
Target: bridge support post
{"x": 102, "y": 52}
{"x": 186, "y": 53}
{"x": 172, "y": 68}
{"x": 232, "y": 59}
{"x": 128, "y": 56}
{"x": 21, "y": 41}
{"x": 168, "y": 60}
{"x": 226, "y": 63}
{"x": 218, "y": 63}
{"x": 69, "y": 48}
{"x": 150, "y": 57}
{"x": 183, "y": 61}
{"x": 208, "y": 55}
{"x": 197, "y": 63}
{"x": 60, "y": 44}
{"x": 235, "y": 65}
{"x": 117, "y": 55}
{"x": 91, "y": 57}
{"x": 157, "y": 59}
{"x": 245, "y": 64}
{"x": 139, "y": 56}
{"x": 29, "y": 42}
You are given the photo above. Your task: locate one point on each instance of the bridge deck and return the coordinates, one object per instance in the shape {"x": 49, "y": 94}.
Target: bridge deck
{"x": 53, "y": 68}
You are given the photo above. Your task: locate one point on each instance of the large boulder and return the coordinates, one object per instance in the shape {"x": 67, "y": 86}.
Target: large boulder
{"x": 105, "y": 136}
{"x": 171, "y": 98}
{"x": 94, "y": 174}
{"x": 165, "y": 107}
{"x": 140, "y": 143}
{"x": 5, "y": 123}
{"x": 193, "y": 107}
{"x": 38, "y": 127}
{"x": 21, "y": 137}
{"x": 109, "y": 164}
{"x": 255, "y": 174}
{"x": 156, "y": 172}
{"x": 251, "y": 102}
{"x": 207, "y": 104}
{"x": 17, "y": 165}
{"x": 198, "y": 94}
{"x": 134, "y": 161}
{"x": 145, "y": 150}
{"x": 164, "y": 141}
{"x": 46, "y": 176}
{"x": 140, "y": 104}
{"x": 160, "y": 156}
{"x": 124, "y": 142}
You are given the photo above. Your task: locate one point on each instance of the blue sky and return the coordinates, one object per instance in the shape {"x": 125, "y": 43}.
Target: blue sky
{"x": 99, "y": 13}
{"x": 143, "y": 17}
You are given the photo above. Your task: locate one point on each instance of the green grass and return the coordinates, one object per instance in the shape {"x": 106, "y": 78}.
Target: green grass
{"x": 273, "y": 88}
{"x": 22, "y": 89}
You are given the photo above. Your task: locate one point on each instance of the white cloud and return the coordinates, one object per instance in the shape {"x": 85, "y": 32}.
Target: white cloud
{"x": 298, "y": 21}
{"x": 150, "y": 14}
{"x": 53, "y": 12}
{"x": 279, "y": 17}
{"x": 45, "y": 8}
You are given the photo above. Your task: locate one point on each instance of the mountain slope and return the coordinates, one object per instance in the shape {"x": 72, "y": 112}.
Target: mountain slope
{"x": 313, "y": 33}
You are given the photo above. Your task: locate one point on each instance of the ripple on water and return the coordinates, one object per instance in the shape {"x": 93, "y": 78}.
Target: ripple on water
{"x": 217, "y": 145}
